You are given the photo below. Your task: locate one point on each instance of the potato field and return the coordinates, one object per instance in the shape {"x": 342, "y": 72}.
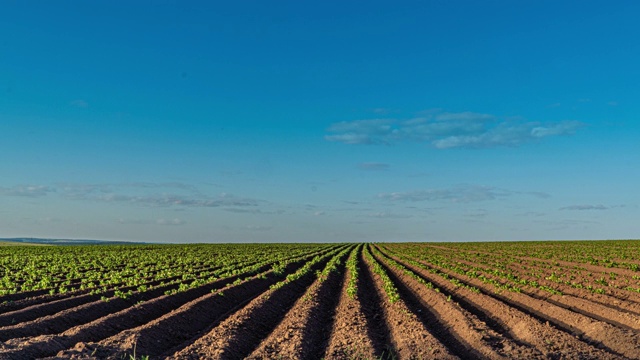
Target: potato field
{"x": 516, "y": 300}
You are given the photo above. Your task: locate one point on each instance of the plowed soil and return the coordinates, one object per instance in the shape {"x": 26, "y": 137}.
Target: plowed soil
{"x": 451, "y": 305}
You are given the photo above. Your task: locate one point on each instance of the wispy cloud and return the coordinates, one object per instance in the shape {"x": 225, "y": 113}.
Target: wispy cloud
{"x": 91, "y": 191}
{"x": 166, "y": 200}
{"x": 133, "y": 221}
{"x": 477, "y": 213}
{"x": 154, "y": 194}
{"x": 538, "y": 194}
{"x": 79, "y": 103}
{"x": 374, "y": 131}
{"x": 564, "y": 224}
{"x": 27, "y": 190}
{"x": 255, "y": 211}
{"x": 258, "y": 227}
{"x": 175, "y": 221}
{"x": 531, "y": 213}
{"x": 142, "y": 194}
{"x": 458, "y": 194}
{"x": 388, "y": 215}
{"x": 449, "y": 130}
{"x": 585, "y": 207}
{"x": 375, "y": 166}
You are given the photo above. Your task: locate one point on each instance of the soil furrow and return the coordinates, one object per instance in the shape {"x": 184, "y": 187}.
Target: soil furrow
{"x": 372, "y": 305}
{"x": 28, "y": 303}
{"x": 449, "y": 323}
{"x": 582, "y": 305}
{"x": 41, "y": 310}
{"x": 603, "y": 335}
{"x": 155, "y": 336}
{"x": 588, "y": 267}
{"x": 112, "y": 324}
{"x": 512, "y": 322}
{"x": 349, "y": 338}
{"x": 409, "y": 336}
{"x": 616, "y": 299}
{"x": 238, "y": 335}
{"x": 36, "y": 311}
{"x": 303, "y": 333}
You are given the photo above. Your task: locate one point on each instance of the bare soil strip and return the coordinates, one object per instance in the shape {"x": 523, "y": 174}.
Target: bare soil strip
{"x": 68, "y": 314}
{"x": 439, "y": 312}
{"x": 410, "y": 337}
{"x": 138, "y": 315}
{"x": 614, "y": 340}
{"x": 38, "y": 311}
{"x": 588, "y": 267}
{"x": 85, "y": 313}
{"x": 8, "y": 305}
{"x": 371, "y": 304}
{"x": 568, "y": 264}
{"x": 96, "y": 330}
{"x": 616, "y": 299}
{"x": 238, "y": 335}
{"x": 303, "y": 333}
{"x": 511, "y": 322}
{"x": 9, "y": 311}
{"x": 349, "y": 338}
{"x": 582, "y": 304}
{"x": 187, "y": 321}
{"x": 52, "y": 324}
{"x": 35, "y": 311}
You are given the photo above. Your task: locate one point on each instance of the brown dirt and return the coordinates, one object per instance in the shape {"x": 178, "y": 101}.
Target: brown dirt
{"x": 349, "y": 337}
{"x": 605, "y": 336}
{"x": 34, "y": 303}
{"x": 619, "y": 299}
{"x": 410, "y": 338}
{"x": 105, "y": 326}
{"x": 468, "y": 330}
{"x": 109, "y": 325}
{"x": 512, "y": 322}
{"x": 304, "y": 331}
{"x": 238, "y": 335}
{"x": 157, "y": 335}
{"x": 308, "y": 319}
{"x": 615, "y": 311}
{"x": 616, "y": 298}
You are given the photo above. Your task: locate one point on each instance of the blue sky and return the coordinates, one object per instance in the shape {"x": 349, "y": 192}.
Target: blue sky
{"x": 320, "y": 121}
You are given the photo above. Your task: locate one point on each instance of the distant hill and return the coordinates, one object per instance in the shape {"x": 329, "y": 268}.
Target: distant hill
{"x": 38, "y": 241}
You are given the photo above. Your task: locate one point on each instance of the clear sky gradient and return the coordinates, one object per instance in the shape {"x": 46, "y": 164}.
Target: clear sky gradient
{"x": 320, "y": 121}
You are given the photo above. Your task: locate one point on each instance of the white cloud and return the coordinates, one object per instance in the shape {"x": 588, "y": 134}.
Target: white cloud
{"x": 561, "y": 128}
{"x": 449, "y": 130}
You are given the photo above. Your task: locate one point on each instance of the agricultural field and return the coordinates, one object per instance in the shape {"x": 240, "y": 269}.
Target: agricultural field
{"x": 520, "y": 300}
